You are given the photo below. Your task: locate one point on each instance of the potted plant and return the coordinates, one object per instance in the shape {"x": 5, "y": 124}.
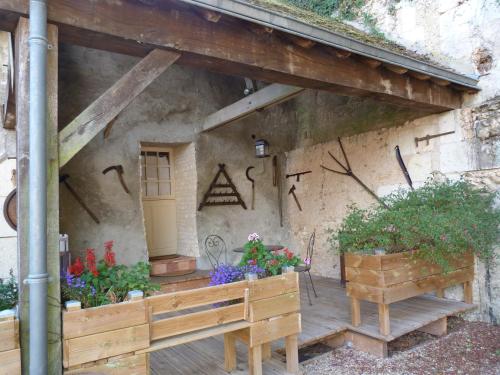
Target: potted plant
{"x": 429, "y": 235}
{"x": 102, "y": 308}
{"x": 272, "y": 262}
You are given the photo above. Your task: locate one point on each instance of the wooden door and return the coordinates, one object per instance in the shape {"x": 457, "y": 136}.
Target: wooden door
{"x": 158, "y": 200}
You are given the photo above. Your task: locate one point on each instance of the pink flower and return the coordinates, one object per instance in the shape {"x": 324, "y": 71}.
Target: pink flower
{"x": 253, "y": 237}
{"x": 307, "y": 261}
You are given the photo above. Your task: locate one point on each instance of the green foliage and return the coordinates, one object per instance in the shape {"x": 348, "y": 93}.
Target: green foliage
{"x": 441, "y": 219}
{"x": 345, "y": 9}
{"x": 110, "y": 285}
{"x": 341, "y": 9}
{"x": 8, "y": 292}
{"x": 256, "y": 254}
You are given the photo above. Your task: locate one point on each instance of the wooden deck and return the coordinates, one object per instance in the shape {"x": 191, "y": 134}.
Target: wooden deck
{"x": 328, "y": 317}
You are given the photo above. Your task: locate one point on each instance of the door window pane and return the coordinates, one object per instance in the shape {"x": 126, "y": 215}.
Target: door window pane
{"x": 156, "y": 173}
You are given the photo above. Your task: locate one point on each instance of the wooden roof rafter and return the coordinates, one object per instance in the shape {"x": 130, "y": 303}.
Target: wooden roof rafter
{"x": 232, "y": 46}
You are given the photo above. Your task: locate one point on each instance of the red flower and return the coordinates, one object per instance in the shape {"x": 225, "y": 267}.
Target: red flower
{"x": 76, "y": 268}
{"x": 91, "y": 264}
{"x": 288, "y": 254}
{"x": 109, "y": 254}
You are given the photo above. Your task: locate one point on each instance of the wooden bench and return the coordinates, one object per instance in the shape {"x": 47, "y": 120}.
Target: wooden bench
{"x": 256, "y": 312}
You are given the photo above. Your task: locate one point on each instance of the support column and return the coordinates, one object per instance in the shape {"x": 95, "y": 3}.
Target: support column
{"x": 54, "y": 292}
{"x": 22, "y": 169}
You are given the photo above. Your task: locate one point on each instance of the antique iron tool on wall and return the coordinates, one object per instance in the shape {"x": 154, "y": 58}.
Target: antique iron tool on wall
{"x": 403, "y": 167}
{"x": 297, "y": 175}
{"x": 429, "y": 137}
{"x": 292, "y": 192}
{"x": 348, "y": 172}
{"x": 119, "y": 172}
{"x": 64, "y": 180}
{"x": 222, "y": 192}
{"x": 253, "y": 185}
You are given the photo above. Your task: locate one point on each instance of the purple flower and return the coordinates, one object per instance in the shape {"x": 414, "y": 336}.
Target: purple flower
{"x": 226, "y": 273}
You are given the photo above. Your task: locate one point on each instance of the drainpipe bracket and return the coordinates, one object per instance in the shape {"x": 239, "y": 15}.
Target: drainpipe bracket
{"x": 42, "y": 278}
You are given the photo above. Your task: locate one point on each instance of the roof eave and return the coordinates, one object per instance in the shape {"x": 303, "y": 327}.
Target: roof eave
{"x": 268, "y": 18}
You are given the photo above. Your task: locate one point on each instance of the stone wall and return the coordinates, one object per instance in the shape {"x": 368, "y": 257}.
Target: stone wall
{"x": 460, "y": 34}
{"x": 186, "y": 180}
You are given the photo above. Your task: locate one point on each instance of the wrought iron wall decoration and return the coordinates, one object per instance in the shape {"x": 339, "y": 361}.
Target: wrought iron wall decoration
{"x": 222, "y": 193}
{"x": 348, "y": 172}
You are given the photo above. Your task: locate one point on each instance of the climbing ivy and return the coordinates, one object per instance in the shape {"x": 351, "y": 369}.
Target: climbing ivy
{"x": 347, "y": 10}
{"x": 343, "y": 9}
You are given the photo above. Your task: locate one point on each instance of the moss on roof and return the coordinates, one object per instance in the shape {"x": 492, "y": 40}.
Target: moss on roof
{"x": 337, "y": 26}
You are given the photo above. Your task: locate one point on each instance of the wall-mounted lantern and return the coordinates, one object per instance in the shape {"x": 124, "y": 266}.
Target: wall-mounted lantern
{"x": 261, "y": 148}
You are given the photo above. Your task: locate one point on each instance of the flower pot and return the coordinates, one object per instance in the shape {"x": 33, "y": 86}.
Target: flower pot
{"x": 287, "y": 269}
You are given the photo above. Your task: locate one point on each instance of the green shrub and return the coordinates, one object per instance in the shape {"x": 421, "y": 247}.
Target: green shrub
{"x": 8, "y": 292}
{"x": 256, "y": 254}
{"x": 441, "y": 219}
{"x": 104, "y": 282}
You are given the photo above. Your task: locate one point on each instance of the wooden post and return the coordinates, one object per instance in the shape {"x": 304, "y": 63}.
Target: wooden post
{"x": 22, "y": 110}
{"x": 437, "y": 328}
{"x": 383, "y": 317}
{"x": 292, "y": 354}
{"x": 266, "y": 351}
{"x": 53, "y": 262}
{"x": 229, "y": 352}
{"x": 468, "y": 292}
{"x": 355, "y": 312}
{"x": 255, "y": 360}
{"x": 22, "y": 124}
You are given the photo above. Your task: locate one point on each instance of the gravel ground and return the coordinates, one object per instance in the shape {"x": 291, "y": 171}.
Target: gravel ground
{"x": 469, "y": 348}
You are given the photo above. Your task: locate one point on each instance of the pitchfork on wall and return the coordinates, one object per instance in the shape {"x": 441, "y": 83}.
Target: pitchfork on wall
{"x": 348, "y": 172}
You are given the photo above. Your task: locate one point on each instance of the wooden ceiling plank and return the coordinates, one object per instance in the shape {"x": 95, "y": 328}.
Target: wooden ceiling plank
{"x": 263, "y": 98}
{"x": 104, "y": 109}
{"x": 229, "y": 45}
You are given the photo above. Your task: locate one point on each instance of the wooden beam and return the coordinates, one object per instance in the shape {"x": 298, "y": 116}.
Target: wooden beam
{"x": 53, "y": 256}
{"x": 21, "y": 49}
{"x": 8, "y": 117}
{"x": 96, "y": 116}
{"x": 301, "y": 42}
{"x": 372, "y": 63}
{"x": 229, "y": 47}
{"x": 420, "y": 76}
{"x": 340, "y": 53}
{"x": 396, "y": 69}
{"x": 266, "y": 97}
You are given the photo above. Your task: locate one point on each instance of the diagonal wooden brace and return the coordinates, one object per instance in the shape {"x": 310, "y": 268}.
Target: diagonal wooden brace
{"x": 95, "y": 117}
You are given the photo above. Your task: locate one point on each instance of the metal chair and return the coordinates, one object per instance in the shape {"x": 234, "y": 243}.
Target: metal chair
{"x": 307, "y": 267}
{"x": 215, "y": 247}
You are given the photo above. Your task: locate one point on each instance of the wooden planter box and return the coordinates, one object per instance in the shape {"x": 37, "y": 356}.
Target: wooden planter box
{"x": 385, "y": 279}
{"x": 10, "y": 353}
{"x": 117, "y": 339}
{"x": 104, "y": 339}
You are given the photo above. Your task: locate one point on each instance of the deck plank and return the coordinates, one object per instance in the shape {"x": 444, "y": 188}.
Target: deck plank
{"x": 329, "y": 315}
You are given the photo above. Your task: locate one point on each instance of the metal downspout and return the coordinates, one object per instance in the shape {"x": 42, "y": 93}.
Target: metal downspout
{"x": 38, "y": 277}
